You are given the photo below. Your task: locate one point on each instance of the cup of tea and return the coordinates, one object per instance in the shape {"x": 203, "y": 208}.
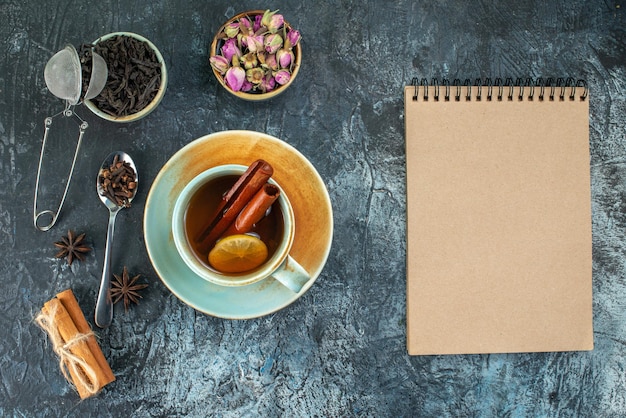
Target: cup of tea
{"x": 194, "y": 211}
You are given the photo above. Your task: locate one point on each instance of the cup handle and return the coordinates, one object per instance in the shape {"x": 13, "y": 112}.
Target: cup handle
{"x": 292, "y": 275}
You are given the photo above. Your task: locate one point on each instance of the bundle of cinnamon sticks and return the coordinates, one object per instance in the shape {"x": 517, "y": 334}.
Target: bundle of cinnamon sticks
{"x": 243, "y": 206}
{"x": 80, "y": 357}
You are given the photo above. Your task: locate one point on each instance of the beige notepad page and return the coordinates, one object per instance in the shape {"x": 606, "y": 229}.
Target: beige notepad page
{"x": 498, "y": 224}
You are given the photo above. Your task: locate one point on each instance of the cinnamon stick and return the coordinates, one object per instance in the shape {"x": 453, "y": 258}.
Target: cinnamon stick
{"x": 255, "y": 210}
{"x": 253, "y": 179}
{"x": 80, "y": 357}
{"x": 70, "y": 303}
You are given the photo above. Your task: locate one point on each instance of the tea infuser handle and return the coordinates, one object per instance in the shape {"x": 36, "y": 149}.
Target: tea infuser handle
{"x": 67, "y": 112}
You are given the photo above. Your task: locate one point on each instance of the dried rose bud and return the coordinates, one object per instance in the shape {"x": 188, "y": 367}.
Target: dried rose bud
{"x": 255, "y": 75}
{"x": 257, "y": 23}
{"x": 230, "y": 49}
{"x": 235, "y": 76}
{"x": 293, "y": 37}
{"x": 254, "y": 43}
{"x": 268, "y": 84}
{"x": 247, "y": 86}
{"x": 245, "y": 25}
{"x": 282, "y": 77}
{"x": 285, "y": 58}
{"x": 273, "y": 43}
{"x": 249, "y": 60}
{"x": 272, "y": 21}
{"x": 232, "y": 29}
{"x": 219, "y": 63}
{"x": 270, "y": 62}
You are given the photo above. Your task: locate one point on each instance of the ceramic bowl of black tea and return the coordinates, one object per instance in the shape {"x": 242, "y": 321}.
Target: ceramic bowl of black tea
{"x": 137, "y": 77}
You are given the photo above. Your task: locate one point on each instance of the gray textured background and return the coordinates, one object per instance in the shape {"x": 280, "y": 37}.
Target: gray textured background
{"x": 340, "y": 349}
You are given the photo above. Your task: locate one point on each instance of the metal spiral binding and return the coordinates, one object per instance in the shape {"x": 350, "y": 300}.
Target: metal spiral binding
{"x": 527, "y": 88}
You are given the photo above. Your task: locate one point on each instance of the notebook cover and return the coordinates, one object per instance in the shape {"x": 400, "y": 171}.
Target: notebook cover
{"x": 498, "y": 225}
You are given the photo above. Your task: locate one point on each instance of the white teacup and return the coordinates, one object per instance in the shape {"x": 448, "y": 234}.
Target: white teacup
{"x": 280, "y": 266}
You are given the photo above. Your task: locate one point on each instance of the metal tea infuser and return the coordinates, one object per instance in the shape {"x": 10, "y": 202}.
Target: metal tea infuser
{"x": 63, "y": 76}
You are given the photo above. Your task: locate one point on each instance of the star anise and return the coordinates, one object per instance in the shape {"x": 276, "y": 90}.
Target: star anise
{"x": 72, "y": 247}
{"x": 123, "y": 287}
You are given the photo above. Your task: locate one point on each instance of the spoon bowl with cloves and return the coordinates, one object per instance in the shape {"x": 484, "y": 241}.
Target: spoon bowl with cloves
{"x": 117, "y": 186}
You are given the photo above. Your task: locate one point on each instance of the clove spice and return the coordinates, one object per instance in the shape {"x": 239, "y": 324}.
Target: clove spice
{"x": 118, "y": 182}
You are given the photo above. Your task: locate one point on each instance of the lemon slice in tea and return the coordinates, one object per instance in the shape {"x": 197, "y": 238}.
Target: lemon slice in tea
{"x": 237, "y": 254}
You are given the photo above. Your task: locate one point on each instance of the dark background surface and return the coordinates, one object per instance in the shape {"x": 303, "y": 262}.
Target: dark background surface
{"x": 340, "y": 349}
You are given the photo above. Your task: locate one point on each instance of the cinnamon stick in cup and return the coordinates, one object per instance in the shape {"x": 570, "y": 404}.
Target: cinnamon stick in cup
{"x": 250, "y": 182}
{"x": 255, "y": 210}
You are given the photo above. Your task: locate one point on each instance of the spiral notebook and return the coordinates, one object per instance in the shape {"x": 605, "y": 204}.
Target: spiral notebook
{"x": 498, "y": 216}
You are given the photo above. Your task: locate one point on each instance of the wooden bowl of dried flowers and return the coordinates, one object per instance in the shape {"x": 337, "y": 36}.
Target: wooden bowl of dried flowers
{"x": 137, "y": 77}
{"x": 256, "y": 55}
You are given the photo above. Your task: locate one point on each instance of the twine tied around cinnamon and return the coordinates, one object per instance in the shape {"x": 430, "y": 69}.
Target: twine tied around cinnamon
{"x": 72, "y": 366}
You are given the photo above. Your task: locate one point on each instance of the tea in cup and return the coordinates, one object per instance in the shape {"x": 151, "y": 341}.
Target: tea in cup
{"x": 233, "y": 225}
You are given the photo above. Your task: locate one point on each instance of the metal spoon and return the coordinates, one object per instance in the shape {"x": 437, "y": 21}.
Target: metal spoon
{"x": 104, "y": 304}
